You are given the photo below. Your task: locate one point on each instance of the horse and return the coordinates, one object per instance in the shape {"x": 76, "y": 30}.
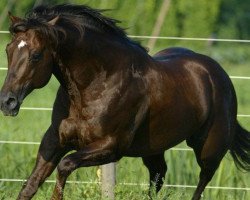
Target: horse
{"x": 116, "y": 100}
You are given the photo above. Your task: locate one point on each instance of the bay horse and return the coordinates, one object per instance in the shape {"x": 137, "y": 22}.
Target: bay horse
{"x": 116, "y": 100}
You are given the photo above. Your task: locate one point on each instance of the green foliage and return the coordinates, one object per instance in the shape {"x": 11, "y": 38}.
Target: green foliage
{"x": 233, "y": 21}
{"x": 191, "y": 18}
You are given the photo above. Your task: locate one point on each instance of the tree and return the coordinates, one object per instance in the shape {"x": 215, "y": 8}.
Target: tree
{"x": 233, "y": 21}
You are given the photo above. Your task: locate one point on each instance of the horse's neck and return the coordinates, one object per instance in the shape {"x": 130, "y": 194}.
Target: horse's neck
{"x": 84, "y": 73}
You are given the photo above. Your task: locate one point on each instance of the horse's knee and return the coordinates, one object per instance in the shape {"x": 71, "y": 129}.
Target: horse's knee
{"x": 157, "y": 168}
{"x": 67, "y": 130}
{"x": 161, "y": 168}
{"x": 155, "y": 163}
{"x": 164, "y": 168}
{"x": 65, "y": 167}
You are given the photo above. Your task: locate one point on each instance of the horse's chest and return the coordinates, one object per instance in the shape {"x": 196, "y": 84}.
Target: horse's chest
{"x": 83, "y": 125}
{"x": 79, "y": 132}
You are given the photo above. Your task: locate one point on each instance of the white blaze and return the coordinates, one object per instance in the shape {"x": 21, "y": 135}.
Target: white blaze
{"x": 22, "y": 44}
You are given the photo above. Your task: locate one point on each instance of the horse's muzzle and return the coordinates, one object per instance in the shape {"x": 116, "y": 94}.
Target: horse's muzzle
{"x": 9, "y": 104}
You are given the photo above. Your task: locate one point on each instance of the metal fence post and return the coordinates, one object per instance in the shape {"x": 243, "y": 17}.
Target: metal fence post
{"x": 108, "y": 181}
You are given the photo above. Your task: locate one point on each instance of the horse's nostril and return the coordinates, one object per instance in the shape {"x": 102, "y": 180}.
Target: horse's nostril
{"x": 11, "y": 102}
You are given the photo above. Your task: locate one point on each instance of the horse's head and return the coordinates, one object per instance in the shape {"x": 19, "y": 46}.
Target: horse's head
{"x": 30, "y": 63}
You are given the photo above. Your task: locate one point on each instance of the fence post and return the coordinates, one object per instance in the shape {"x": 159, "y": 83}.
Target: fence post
{"x": 108, "y": 181}
{"x": 158, "y": 24}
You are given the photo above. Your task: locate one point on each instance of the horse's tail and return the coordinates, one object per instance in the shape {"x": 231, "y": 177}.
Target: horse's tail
{"x": 240, "y": 149}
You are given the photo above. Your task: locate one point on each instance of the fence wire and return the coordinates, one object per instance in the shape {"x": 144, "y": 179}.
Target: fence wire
{"x": 132, "y": 184}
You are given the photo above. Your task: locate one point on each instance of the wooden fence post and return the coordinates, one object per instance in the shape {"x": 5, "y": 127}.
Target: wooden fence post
{"x": 108, "y": 181}
{"x": 158, "y": 24}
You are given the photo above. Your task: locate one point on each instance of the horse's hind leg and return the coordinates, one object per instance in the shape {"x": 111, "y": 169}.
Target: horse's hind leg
{"x": 209, "y": 153}
{"x": 206, "y": 174}
{"x": 157, "y": 168}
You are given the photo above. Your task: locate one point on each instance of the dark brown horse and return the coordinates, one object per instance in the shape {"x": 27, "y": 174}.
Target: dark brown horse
{"x": 115, "y": 100}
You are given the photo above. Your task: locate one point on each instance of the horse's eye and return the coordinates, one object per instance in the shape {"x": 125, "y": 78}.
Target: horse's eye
{"x": 36, "y": 57}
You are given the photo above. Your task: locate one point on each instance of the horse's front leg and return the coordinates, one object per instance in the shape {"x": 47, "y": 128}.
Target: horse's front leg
{"x": 97, "y": 153}
{"x": 49, "y": 154}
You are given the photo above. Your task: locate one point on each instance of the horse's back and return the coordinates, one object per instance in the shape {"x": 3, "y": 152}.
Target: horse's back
{"x": 188, "y": 68}
{"x": 172, "y": 52}
{"x": 177, "y": 61}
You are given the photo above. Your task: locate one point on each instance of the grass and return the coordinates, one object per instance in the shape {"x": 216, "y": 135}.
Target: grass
{"x": 17, "y": 161}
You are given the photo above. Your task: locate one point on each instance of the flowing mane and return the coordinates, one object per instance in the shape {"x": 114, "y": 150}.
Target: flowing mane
{"x": 73, "y": 16}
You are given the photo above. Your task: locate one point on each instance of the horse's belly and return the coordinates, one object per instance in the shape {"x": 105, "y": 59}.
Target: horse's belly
{"x": 162, "y": 132}
{"x": 140, "y": 149}
{"x": 149, "y": 146}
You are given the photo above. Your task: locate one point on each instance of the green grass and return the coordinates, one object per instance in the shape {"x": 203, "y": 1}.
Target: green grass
{"x": 17, "y": 161}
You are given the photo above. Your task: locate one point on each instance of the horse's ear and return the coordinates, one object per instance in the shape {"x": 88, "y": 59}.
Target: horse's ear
{"x": 14, "y": 19}
{"x": 53, "y": 21}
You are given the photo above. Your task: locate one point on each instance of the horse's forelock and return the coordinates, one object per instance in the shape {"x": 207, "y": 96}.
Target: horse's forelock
{"x": 53, "y": 34}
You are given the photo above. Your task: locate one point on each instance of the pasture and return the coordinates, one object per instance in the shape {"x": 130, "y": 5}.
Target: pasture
{"x": 17, "y": 160}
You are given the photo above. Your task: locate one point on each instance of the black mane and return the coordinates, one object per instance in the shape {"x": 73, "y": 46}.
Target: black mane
{"x": 76, "y": 16}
